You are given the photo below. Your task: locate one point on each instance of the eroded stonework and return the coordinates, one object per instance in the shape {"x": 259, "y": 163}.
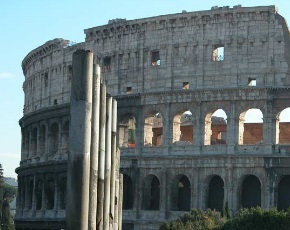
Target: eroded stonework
{"x": 169, "y": 74}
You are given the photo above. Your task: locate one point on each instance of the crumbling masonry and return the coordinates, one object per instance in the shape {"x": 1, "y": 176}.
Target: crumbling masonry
{"x": 169, "y": 75}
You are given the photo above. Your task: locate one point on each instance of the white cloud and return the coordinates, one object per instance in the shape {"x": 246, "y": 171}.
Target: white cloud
{"x": 6, "y": 75}
{"x": 10, "y": 155}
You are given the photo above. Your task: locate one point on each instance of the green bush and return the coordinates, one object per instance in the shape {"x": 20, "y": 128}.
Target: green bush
{"x": 196, "y": 220}
{"x": 259, "y": 219}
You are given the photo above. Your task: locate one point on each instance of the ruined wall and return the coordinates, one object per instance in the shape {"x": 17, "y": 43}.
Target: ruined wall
{"x": 232, "y": 59}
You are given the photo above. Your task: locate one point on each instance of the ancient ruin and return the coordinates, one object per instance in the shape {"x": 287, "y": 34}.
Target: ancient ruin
{"x": 173, "y": 76}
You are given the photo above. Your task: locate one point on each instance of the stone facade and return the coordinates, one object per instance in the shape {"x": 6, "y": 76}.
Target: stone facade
{"x": 169, "y": 74}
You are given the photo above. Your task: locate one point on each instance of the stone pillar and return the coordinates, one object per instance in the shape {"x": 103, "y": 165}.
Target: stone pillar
{"x": 33, "y": 193}
{"x": 79, "y": 141}
{"x": 108, "y": 162}
{"x": 46, "y": 141}
{"x": 167, "y": 127}
{"x": 198, "y": 126}
{"x": 56, "y": 189}
{"x": 43, "y": 204}
{"x": 94, "y": 148}
{"x": 38, "y": 141}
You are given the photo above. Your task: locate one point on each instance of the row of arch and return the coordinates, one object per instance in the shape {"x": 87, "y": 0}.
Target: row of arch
{"x": 50, "y": 138}
{"x": 250, "y": 128}
{"x": 42, "y": 192}
{"x": 181, "y": 193}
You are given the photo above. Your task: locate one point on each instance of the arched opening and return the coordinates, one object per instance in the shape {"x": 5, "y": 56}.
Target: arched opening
{"x": 34, "y": 142}
{"x": 38, "y": 194}
{"x": 251, "y": 127}
{"x": 183, "y": 127}
{"x": 215, "y": 128}
{"x": 216, "y": 193}
{"x": 127, "y": 192}
{"x": 283, "y": 127}
{"x": 30, "y": 194}
{"x": 42, "y": 139}
{"x": 49, "y": 194}
{"x": 151, "y": 193}
{"x": 251, "y": 192}
{"x": 181, "y": 194}
{"x": 62, "y": 193}
{"x": 153, "y": 129}
{"x": 284, "y": 193}
{"x": 54, "y": 135}
{"x": 65, "y": 135}
{"x": 127, "y": 131}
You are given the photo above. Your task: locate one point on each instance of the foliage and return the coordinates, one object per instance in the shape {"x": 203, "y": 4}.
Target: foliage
{"x": 7, "y": 221}
{"x": 7, "y": 193}
{"x": 196, "y": 220}
{"x": 259, "y": 219}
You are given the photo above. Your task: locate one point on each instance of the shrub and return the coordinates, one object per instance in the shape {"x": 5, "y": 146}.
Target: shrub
{"x": 196, "y": 220}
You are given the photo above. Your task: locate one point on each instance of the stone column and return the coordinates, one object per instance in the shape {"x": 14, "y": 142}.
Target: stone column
{"x": 79, "y": 141}
{"x": 108, "y": 162}
{"x": 94, "y": 148}
{"x": 33, "y": 194}
{"x": 46, "y": 141}
{"x": 56, "y": 188}
{"x": 167, "y": 127}
{"x": 38, "y": 141}
{"x": 198, "y": 126}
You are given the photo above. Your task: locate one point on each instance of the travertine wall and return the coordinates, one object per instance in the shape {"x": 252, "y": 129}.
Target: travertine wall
{"x": 158, "y": 68}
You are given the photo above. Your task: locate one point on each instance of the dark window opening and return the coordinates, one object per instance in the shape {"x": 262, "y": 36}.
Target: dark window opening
{"x": 49, "y": 194}
{"x": 69, "y": 72}
{"x": 284, "y": 194}
{"x": 216, "y": 194}
{"x": 46, "y": 79}
{"x": 127, "y": 193}
{"x": 55, "y": 101}
{"x": 185, "y": 85}
{"x": 107, "y": 64}
{"x": 252, "y": 82}
{"x": 251, "y": 192}
{"x": 218, "y": 53}
{"x": 155, "y": 58}
{"x": 38, "y": 195}
{"x": 129, "y": 90}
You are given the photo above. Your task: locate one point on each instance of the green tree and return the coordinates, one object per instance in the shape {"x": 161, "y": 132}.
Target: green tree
{"x": 259, "y": 219}
{"x": 196, "y": 220}
{"x": 7, "y": 193}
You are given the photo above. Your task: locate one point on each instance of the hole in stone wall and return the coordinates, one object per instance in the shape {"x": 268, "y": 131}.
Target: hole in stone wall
{"x": 185, "y": 85}
{"x": 218, "y": 53}
{"x": 46, "y": 79}
{"x": 252, "y": 82}
{"x": 155, "y": 58}
{"x": 107, "y": 64}
{"x": 129, "y": 90}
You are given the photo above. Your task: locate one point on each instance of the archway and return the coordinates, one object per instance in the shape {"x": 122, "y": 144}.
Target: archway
{"x": 216, "y": 193}
{"x": 284, "y": 193}
{"x": 151, "y": 193}
{"x": 251, "y": 127}
{"x": 127, "y": 192}
{"x": 215, "y": 127}
{"x": 251, "y": 192}
{"x": 183, "y": 127}
{"x": 153, "y": 129}
{"x": 54, "y": 135}
{"x": 283, "y": 127}
{"x": 181, "y": 194}
{"x": 127, "y": 131}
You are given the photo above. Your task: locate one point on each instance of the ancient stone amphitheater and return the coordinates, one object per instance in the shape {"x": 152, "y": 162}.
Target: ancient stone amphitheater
{"x": 169, "y": 74}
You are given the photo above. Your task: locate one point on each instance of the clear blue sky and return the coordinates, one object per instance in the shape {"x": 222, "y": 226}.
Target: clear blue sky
{"x": 27, "y": 24}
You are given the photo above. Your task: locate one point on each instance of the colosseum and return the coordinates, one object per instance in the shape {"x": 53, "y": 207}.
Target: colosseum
{"x": 184, "y": 84}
